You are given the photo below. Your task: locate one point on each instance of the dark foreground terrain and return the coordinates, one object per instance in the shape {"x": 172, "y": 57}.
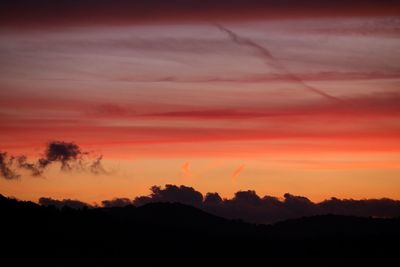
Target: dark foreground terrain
{"x": 165, "y": 234}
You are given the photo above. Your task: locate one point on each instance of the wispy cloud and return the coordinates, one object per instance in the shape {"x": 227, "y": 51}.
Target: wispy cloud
{"x": 6, "y": 167}
{"x": 237, "y": 172}
{"x": 186, "y": 171}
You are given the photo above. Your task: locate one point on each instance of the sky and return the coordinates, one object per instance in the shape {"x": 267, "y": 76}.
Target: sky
{"x": 273, "y": 96}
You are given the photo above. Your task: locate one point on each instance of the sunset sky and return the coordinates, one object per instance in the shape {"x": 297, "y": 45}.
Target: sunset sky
{"x": 274, "y": 96}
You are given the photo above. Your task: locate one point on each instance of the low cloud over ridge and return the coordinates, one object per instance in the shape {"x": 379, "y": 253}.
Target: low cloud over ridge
{"x": 248, "y": 206}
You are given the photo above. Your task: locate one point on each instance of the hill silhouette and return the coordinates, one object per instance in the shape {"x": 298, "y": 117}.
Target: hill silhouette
{"x": 173, "y": 234}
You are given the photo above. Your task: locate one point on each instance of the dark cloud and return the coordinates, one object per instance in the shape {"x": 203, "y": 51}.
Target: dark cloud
{"x": 62, "y": 152}
{"x": 70, "y": 12}
{"x": 96, "y": 166}
{"x": 71, "y": 157}
{"x": 212, "y": 199}
{"x": 367, "y": 207}
{"x": 299, "y": 205}
{"x": 246, "y": 198}
{"x": 68, "y": 154}
{"x": 6, "y": 164}
{"x": 116, "y": 202}
{"x": 143, "y": 200}
{"x": 34, "y": 169}
{"x": 248, "y": 206}
{"x": 75, "y": 204}
{"x": 173, "y": 193}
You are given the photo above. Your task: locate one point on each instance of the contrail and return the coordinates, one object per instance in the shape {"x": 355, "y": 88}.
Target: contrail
{"x": 273, "y": 61}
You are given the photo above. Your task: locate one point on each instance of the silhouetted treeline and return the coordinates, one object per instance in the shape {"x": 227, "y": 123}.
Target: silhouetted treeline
{"x": 250, "y": 207}
{"x": 173, "y": 234}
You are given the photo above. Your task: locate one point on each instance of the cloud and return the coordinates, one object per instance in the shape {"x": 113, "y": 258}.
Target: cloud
{"x": 248, "y": 197}
{"x": 173, "y": 193}
{"x": 75, "y": 204}
{"x": 68, "y": 154}
{"x": 6, "y": 164}
{"x": 143, "y": 200}
{"x": 305, "y": 76}
{"x": 249, "y": 206}
{"x": 212, "y": 199}
{"x": 299, "y": 205}
{"x": 372, "y": 104}
{"x": 111, "y": 110}
{"x": 41, "y": 13}
{"x": 116, "y": 202}
{"x": 186, "y": 172}
{"x": 237, "y": 172}
{"x": 96, "y": 167}
{"x": 35, "y": 169}
{"x": 65, "y": 153}
{"x": 211, "y": 114}
{"x": 274, "y": 62}
{"x": 71, "y": 157}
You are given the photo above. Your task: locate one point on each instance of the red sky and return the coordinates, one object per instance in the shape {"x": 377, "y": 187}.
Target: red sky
{"x": 288, "y": 98}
